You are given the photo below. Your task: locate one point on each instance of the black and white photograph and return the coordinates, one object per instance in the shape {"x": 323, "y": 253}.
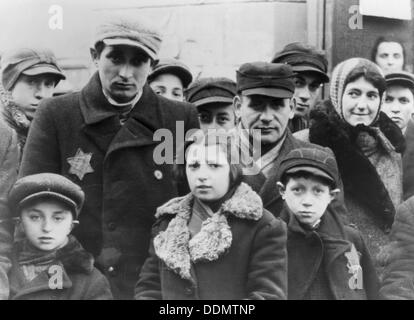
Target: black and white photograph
{"x": 216, "y": 150}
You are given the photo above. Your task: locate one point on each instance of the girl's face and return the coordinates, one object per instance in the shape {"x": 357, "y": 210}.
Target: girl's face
{"x": 360, "y": 102}
{"x": 208, "y": 172}
{"x": 390, "y": 57}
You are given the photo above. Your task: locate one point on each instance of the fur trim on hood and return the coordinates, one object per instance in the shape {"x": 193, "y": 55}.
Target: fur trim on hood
{"x": 178, "y": 251}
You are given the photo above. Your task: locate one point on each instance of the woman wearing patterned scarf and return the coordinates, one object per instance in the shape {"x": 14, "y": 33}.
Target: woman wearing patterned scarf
{"x": 217, "y": 242}
{"x": 367, "y": 146}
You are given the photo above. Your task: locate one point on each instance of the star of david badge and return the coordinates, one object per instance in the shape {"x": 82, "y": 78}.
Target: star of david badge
{"x": 80, "y": 164}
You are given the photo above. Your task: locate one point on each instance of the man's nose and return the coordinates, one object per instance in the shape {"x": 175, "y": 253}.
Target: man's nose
{"x": 41, "y": 92}
{"x": 304, "y": 93}
{"x": 125, "y": 71}
{"x": 266, "y": 115}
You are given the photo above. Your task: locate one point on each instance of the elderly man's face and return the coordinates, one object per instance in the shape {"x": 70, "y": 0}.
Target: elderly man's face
{"x": 123, "y": 71}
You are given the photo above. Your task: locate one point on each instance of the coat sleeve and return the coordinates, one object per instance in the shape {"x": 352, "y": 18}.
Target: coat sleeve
{"x": 148, "y": 286}
{"x": 398, "y": 281}
{"x": 99, "y": 288}
{"x": 267, "y": 275}
{"x": 9, "y": 158}
{"x": 41, "y": 152}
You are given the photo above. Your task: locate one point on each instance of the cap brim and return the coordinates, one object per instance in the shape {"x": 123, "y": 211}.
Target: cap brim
{"x": 316, "y": 171}
{"x": 400, "y": 81}
{"x": 209, "y": 100}
{"x": 51, "y": 194}
{"x": 271, "y": 92}
{"x": 129, "y": 42}
{"x": 185, "y": 75}
{"x": 322, "y": 74}
{"x": 43, "y": 69}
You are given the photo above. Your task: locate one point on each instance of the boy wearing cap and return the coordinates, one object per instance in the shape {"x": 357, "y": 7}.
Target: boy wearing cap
{"x": 169, "y": 78}
{"x": 102, "y": 138}
{"x": 327, "y": 260}
{"x": 310, "y": 66}
{"x": 28, "y": 76}
{"x": 49, "y": 263}
{"x": 213, "y": 98}
{"x": 398, "y": 105}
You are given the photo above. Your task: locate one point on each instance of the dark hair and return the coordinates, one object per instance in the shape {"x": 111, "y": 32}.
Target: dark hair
{"x": 227, "y": 145}
{"x": 370, "y": 74}
{"x": 387, "y": 39}
{"x": 307, "y": 175}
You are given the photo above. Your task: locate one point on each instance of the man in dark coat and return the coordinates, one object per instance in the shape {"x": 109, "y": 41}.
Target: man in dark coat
{"x": 264, "y": 105}
{"x": 102, "y": 138}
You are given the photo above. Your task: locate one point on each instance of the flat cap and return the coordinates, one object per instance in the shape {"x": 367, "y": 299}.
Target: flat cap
{"x": 172, "y": 66}
{"x": 122, "y": 30}
{"x": 263, "y": 78}
{"x": 319, "y": 161}
{"x": 30, "y": 62}
{"x": 303, "y": 57}
{"x": 211, "y": 90}
{"x": 403, "y": 78}
{"x": 46, "y": 185}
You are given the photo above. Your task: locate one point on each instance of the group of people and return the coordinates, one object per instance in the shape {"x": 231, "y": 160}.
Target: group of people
{"x": 273, "y": 194}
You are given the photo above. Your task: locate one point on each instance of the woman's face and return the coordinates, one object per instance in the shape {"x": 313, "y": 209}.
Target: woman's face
{"x": 390, "y": 57}
{"x": 360, "y": 102}
{"x": 208, "y": 172}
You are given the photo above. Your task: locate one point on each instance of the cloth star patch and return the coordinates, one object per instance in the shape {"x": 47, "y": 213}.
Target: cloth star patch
{"x": 80, "y": 164}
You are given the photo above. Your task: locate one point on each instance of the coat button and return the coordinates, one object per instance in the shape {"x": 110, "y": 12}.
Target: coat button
{"x": 189, "y": 291}
{"x": 111, "y": 226}
{"x": 158, "y": 174}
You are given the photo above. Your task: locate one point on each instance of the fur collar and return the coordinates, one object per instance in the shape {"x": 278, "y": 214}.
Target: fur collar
{"x": 360, "y": 177}
{"x": 178, "y": 251}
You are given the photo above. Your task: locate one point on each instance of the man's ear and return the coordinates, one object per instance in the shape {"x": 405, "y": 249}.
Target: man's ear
{"x": 334, "y": 194}
{"x": 282, "y": 189}
{"x": 237, "y": 106}
{"x": 74, "y": 224}
{"x": 292, "y": 104}
{"x": 94, "y": 55}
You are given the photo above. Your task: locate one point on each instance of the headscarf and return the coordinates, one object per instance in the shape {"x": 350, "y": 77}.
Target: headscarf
{"x": 340, "y": 78}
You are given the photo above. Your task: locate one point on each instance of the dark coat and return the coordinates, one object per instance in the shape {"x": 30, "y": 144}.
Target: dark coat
{"x": 80, "y": 279}
{"x": 126, "y": 185}
{"x": 9, "y": 158}
{"x": 398, "y": 282}
{"x": 327, "y": 246}
{"x": 254, "y": 267}
{"x": 408, "y": 162}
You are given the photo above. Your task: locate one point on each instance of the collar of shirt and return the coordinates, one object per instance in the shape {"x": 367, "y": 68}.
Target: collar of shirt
{"x": 265, "y": 162}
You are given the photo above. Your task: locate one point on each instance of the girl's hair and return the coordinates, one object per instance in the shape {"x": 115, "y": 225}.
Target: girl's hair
{"x": 370, "y": 74}
{"x": 387, "y": 39}
{"x": 225, "y": 142}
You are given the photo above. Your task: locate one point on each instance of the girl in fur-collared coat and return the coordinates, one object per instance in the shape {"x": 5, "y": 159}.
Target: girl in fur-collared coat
{"x": 217, "y": 242}
{"x": 367, "y": 146}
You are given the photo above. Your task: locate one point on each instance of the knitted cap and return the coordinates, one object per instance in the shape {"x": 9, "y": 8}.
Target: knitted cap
{"x": 340, "y": 77}
{"x": 45, "y": 185}
{"x": 120, "y": 30}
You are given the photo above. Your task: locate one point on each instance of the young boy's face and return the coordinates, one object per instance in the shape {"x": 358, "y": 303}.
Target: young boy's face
{"x": 47, "y": 224}
{"x": 307, "y": 198}
{"x": 216, "y": 117}
{"x": 398, "y": 105}
{"x": 29, "y": 91}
